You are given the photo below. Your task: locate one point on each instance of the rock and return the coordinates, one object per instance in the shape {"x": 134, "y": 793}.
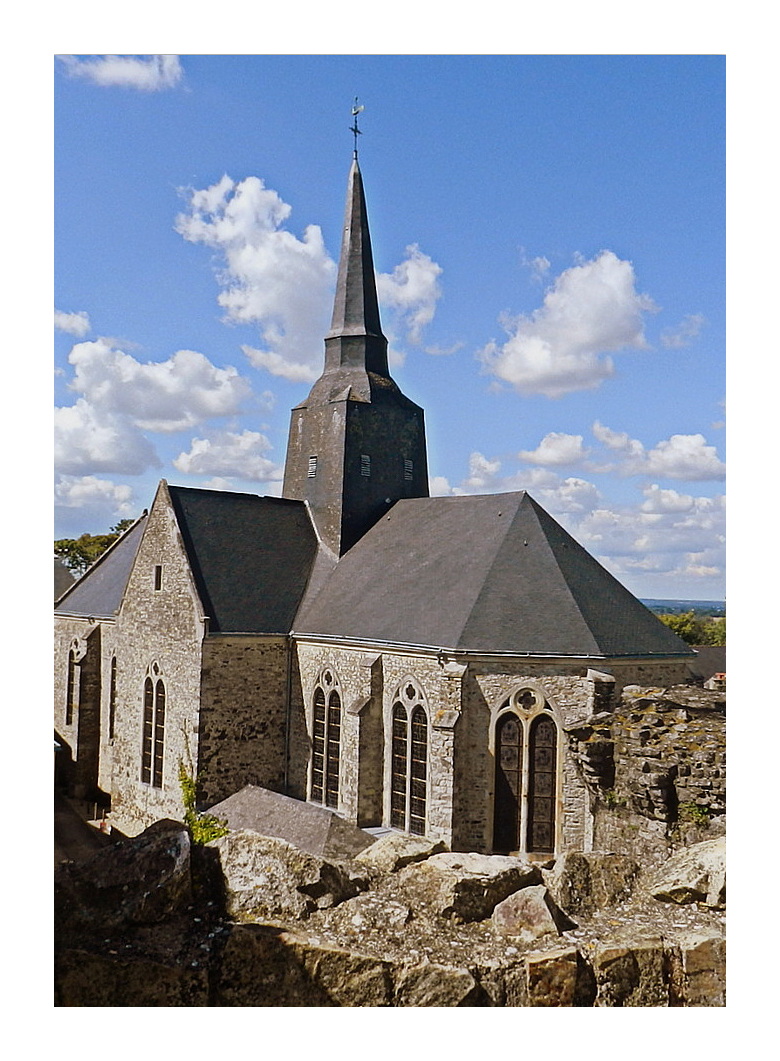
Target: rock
{"x": 396, "y": 850}
{"x": 703, "y": 959}
{"x": 582, "y": 883}
{"x": 369, "y": 911}
{"x": 552, "y": 977}
{"x": 258, "y": 968}
{"x": 347, "y": 978}
{"x": 430, "y": 984}
{"x": 528, "y": 914}
{"x": 317, "y": 830}
{"x": 695, "y": 875}
{"x": 85, "y": 979}
{"x": 634, "y": 974}
{"x": 142, "y": 880}
{"x": 266, "y": 877}
{"x": 465, "y": 887}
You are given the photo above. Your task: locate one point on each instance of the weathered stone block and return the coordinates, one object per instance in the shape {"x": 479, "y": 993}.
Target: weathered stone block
{"x": 696, "y": 874}
{"x": 583, "y": 882}
{"x": 529, "y": 914}
{"x": 466, "y": 887}
{"x": 267, "y": 878}
{"x": 552, "y": 977}
{"x": 396, "y": 850}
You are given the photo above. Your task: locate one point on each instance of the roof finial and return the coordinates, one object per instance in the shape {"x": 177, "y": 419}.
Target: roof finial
{"x": 354, "y": 127}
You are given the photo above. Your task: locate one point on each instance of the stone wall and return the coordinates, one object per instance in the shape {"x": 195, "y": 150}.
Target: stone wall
{"x": 656, "y": 769}
{"x": 243, "y": 719}
{"x": 78, "y": 759}
{"x": 162, "y": 627}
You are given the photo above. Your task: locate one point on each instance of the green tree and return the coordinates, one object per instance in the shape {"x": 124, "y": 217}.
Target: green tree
{"x": 696, "y": 629}
{"x": 79, "y": 553}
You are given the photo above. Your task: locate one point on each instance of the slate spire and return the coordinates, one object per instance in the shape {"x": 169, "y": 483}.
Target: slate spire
{"x": 356, "y": 444}
{"x": 356, "y": 307}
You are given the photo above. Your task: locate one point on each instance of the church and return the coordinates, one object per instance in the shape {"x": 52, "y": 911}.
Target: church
{"x": 409, "y": 662}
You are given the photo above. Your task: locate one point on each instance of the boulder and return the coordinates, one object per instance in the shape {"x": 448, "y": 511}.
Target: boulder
{"x": 393, "y": 851}
{"x": 465, "y": 886}
{"x": 431, "y": 984}
{"x": 142, "y": 880}
{"x": 528, "y": 914}
{"x": 552, "y": 977}
{"x": 695, "y": 875}
{"x": 266, "y": 877}
{"x": 582, "y": 883}
{"x": 703, "y": 960}
{"x": 633, "y": 974}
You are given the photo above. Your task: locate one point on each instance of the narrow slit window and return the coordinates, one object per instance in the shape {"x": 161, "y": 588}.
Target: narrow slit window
{"x": 158, "y": 576}
{"x": 112, "y": 700}
{"x": 312, "y": 471}
{"x": 74, "y": 676}
{"x": 408, "y": 470}
{"x": 365, "y": 464}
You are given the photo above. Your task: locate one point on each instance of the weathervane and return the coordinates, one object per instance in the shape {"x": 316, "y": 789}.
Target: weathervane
{"x": 354, "y": 127}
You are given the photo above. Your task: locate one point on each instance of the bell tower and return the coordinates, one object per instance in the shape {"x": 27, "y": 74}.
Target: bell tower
{"x": 356, "y": 444}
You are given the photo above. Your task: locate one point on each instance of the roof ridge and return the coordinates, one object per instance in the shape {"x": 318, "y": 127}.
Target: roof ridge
{"x": 80, "y": 580}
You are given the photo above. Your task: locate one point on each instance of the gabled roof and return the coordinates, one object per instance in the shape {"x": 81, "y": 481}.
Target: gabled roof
{"x": 250, "y": 556}
{"x": 98, "y": 593}
{"x": 486, "y": 574}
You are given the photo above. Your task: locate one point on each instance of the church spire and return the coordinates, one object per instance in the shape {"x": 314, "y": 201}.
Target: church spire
{"x": 355, "y": 307}
{"x": 356, "y": 444}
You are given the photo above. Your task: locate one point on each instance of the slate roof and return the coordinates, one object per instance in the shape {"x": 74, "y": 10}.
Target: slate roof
{"x": 98, "y": 593}
{"x": 250, "y": 556}
{"x": 486, "y": 574}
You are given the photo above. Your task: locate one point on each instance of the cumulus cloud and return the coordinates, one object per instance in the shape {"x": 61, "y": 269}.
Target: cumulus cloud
{"x": 230, "y": 455}
{"x": 162, "y": 396}
{"x": 152, "y": 73}
{"x": 284, "y": 285}
{"x": 76, "y": 324}
{"x": 413, "y": 290}
{"x": 686, "y": 457}
{"x": 685, "y": 332}
{"x": 87, "y": 491}
{"x": 556, "y": 448}
{"x": 87, "y": 439}
{"x": 590, "y": 310}
{"x": 270, "y": 278}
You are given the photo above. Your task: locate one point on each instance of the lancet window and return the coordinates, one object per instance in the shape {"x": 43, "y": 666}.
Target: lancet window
{"x": 326, "y": 740}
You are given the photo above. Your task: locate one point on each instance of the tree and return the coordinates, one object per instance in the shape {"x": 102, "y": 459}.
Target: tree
{"x": 80, "y": 553}
{"x": 696, "y": 629}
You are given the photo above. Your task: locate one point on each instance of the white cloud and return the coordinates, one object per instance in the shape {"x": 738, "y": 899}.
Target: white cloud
{"x": 162, "y": 396}
{"x": 230, "y": 455}
{"x": 591, "y": 309}
{"x": 686, "y": 457}
{"x": 270, "y": 277}
{"x": 413, "y": 290}
{"x": 88, "y": 491}
{"x": 73, "y": 323}
{"x": 556, "y": 448}
{"x": 151, "y": 74}
{"x": 685, "y": 332}
{"x": 658, "y": 500}
{"x": 87, "y": 439}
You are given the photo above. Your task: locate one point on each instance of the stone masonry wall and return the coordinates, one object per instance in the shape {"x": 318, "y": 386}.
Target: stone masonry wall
{"x": 164, "y": 627}
{"x": 78, "y": 765}
{"x": 656, "y": 768}
{"x": 241, "y": 736}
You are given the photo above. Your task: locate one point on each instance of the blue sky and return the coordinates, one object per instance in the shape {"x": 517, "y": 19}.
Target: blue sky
{"x": 549, "y": 237}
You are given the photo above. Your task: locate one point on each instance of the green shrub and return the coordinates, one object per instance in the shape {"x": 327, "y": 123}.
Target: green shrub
{"x": 202, "y": 827}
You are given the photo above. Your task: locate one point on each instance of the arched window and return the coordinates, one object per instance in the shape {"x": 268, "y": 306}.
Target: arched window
{"x": 112, "y": 699}
{"x": 526, "y": 756}
{"x": 74, "y": 681}
{"x": 326, "y": 740}
{"x": 409, "y": 761}
{"x": 153, "y": 740}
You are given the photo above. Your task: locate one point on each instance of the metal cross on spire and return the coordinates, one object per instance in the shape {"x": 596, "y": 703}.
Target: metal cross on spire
{"x": 354, "y": 127}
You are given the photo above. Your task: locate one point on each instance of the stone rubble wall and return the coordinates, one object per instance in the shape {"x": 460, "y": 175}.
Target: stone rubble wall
{"x": 243, "y": 715}
{"x": 656, "y": 769}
